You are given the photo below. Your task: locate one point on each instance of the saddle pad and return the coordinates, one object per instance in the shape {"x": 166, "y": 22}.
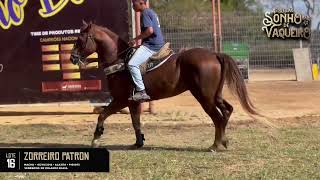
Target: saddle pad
{"x": 150, "y": 64}
{"x": 153, "y": 64}
{"x": 162, "y": 53}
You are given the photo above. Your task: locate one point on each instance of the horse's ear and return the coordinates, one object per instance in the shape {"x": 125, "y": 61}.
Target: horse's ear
{"x": 84, "y": 23}
{"x": 84, "y": 26}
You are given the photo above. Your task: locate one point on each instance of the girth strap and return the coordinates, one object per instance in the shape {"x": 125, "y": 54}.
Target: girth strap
{"x": 114, "y": 68}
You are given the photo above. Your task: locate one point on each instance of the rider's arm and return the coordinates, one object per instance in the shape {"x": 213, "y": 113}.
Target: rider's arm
{"x": 147, "y": 24}
{"x": 148, "y": 32}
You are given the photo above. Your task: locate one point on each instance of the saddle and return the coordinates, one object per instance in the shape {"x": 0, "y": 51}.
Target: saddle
{"x": 157, "y": 59}
{"x": 152, "y": 63}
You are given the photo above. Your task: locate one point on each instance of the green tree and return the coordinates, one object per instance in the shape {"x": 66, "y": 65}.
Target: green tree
{"x": 201, "y": 6}
{"x": 238, "y": 5}
{"x": 181, "y": 6}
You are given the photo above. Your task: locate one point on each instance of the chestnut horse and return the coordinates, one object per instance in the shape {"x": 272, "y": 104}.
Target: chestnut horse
{"x": 198, "y": 70}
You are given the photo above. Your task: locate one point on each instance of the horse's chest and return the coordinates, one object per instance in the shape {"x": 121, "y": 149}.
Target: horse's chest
{"x": 118, "y": 83}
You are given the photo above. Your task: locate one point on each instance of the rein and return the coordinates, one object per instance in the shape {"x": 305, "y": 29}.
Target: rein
{"x": 120, "y": 65}
{"x": 117, "y": 65}
{"x": 119, "y": 54}
{"x": 79, "y": 56}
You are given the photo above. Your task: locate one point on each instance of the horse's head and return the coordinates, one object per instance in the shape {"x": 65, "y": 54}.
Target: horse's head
{"x": 85, "y": 45}
{"x": 94, "y": 38}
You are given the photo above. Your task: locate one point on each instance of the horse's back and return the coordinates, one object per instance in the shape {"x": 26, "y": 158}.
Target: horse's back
{"x": 199, "y": 58}
{"x": 197, "y": 51}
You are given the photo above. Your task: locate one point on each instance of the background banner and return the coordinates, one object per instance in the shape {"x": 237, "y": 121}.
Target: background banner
{"x": 36, "y": 39}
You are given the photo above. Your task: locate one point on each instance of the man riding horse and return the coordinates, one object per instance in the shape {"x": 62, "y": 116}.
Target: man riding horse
{"x": 152, "y": 41}
{"x": 198, "y": 70}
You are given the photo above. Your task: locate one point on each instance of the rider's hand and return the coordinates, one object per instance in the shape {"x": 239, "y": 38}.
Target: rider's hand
{"x": 132, "y": 42}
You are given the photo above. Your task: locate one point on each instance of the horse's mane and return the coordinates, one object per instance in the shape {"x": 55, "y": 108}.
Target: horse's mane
{"x": 120, "y": 43}
{"x": 113, "y": 35}
{"x": 108, "y": 31}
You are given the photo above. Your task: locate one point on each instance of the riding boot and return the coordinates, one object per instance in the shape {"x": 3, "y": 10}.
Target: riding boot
{"x": 140, "y": 96}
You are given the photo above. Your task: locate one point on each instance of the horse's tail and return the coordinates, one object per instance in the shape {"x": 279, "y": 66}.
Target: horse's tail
{"x": 235, "y": 82}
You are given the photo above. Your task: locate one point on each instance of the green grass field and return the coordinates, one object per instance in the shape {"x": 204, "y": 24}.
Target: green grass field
{"x": 179, "y": 151}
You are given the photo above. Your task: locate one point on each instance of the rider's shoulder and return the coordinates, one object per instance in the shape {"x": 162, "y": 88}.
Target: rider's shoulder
{"x": 149, "y": 11}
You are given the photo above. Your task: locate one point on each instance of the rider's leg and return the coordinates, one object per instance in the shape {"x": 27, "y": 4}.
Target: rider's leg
{"x": 140, "y": 56}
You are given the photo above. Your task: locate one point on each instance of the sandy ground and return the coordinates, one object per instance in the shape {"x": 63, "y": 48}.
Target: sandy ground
{"x": 272, "y": 74}
{"x": 279, "y": 100}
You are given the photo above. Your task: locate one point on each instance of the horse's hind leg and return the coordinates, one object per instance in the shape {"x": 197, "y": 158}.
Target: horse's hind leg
{"x": 114, "y": 107}
{"x": 203, "y": 79}
{"x": 226, "y": 109}
{"x": 217, "y": 119}
{"x": 206, "y": 97}
{"x": 229, "y": 109}
{"x": 220, "y": 138}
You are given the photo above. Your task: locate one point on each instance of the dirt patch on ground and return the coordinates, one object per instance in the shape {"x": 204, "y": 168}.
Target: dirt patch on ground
{"x": 281, "y": 101}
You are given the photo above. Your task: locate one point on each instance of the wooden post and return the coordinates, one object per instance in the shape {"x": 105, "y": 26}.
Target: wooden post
{"x": 215, "y": 46}
{"x": 137, "y": 26}
{"x": 220, "y": 28}
{"x": 151, "y": 103}
{"x": 217, "y": 35}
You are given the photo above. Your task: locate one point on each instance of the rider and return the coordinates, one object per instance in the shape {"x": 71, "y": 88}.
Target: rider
{"x": 152, "y": 41}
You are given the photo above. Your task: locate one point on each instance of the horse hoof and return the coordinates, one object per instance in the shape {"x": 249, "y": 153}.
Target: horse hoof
{"x": 138, "y": 145}
{"x": 216, "y": 148}
{"x": 95, "y": 143}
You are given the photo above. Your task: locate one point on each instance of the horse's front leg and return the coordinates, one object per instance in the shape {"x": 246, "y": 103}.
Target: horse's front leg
{"x": 135, "y": 111}
{"x": 114, "y": 107}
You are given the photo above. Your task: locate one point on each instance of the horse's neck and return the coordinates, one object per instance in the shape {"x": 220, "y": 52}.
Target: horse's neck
{"x": 122, "y": 47}
{"x": 112, "y": 55}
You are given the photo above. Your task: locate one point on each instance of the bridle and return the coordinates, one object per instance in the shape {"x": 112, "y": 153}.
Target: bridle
{"x": 78, "y": 55}
{"x": 81, "y": 58}
{"x": 127, "y": 51}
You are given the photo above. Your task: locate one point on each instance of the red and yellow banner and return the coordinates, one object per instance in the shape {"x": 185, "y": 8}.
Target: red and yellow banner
{"x": 37, "y": 38}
